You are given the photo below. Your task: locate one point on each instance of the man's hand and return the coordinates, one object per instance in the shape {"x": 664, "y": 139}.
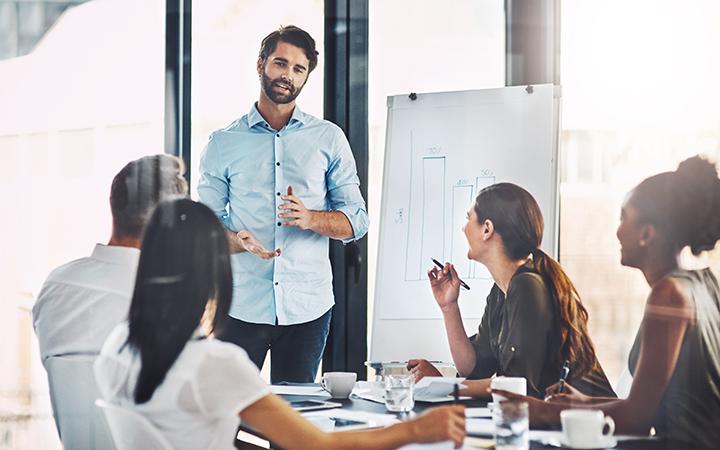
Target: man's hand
{"x": 295, "y": 210}
{"x": 251, "y": 245}
{"x": 421, "y": 368}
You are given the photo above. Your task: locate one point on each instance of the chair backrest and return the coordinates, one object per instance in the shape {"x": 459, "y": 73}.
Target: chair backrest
{"x": 72, "y": 394}
{"x": 131, "y": 430}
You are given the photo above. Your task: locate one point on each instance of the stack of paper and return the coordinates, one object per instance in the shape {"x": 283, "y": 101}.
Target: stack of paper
{"x": 314, "y": 391}
{"x": 480, "y": 427}
{"x": 477, "y": 412}
{"x": 429, "y": 389}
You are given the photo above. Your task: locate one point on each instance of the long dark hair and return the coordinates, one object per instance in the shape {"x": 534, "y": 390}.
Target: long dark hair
{"x": 683, "y": 203}
{"x": 184, "y": 271}
{"x": 517, "y": 218}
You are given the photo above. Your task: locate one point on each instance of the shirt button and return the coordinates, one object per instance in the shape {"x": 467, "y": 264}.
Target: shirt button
{"x": 278, "y": 135}
{"x": 277, "y": 163}
{"x": 278, "y": 194}
{"x": 279, "y": 224}
{"x": 276, "y": 283}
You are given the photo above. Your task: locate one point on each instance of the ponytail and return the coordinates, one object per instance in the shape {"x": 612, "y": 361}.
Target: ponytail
{"x": 518, "y": 220}
{"x": 575, "y": 343}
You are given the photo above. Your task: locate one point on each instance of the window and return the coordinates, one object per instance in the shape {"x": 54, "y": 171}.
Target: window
{"x": 424, "y": 47}
{"x": 636, "y": 101}
{"x": 86, "y": 99}
{"x": 226, "y": 40}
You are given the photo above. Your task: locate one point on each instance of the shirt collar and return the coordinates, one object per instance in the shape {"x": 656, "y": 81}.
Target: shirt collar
{"x": 297, "y": 116}
{"x": 198, "y": 334}
{"x": 115, "y": 254}
{"x": 254, "y": 116}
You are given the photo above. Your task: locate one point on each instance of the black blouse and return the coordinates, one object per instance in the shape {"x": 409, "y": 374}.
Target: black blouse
{"x": 517, "y": 335}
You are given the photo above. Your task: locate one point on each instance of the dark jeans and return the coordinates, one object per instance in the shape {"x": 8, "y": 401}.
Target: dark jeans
{"x": 295, "y": 350}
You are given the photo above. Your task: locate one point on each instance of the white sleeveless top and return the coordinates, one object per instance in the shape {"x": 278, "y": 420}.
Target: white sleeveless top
{"x": 197, "y": 405}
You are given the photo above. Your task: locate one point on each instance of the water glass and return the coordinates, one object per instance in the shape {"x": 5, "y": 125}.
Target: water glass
{"x": 511, "y": 426}
{"x": 399, "y": 393}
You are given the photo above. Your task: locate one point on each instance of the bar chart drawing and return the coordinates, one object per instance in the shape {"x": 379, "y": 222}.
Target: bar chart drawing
{"x": 462, "y": 200}
{"x": 426, "y": 225}
{"x": 477, "y": 270}
{"x": 427, "y": 234}
{"x": 441, "y": 150}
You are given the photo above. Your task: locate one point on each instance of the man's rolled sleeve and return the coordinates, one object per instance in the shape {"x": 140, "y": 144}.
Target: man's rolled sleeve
{"x": 343, "y": 188}
{"x": 213, "y": 186}
{"x": 356, "y": 214}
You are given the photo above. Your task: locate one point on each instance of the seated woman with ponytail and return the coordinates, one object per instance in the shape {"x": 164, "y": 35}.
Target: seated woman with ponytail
{"x": 163, "y": 365}
{"x": 533, "y": 319}
{"x": 675, "y": 360}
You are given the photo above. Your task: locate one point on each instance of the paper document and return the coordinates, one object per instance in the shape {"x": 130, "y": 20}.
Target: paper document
{"x": 342, "y": 419}
{"x": 314, "y": 391}
{"x": 373, "y": 391}
{"x": 436, "y": 389}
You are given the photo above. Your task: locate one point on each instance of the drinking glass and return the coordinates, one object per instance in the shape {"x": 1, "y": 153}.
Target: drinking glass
{"x": 511, "y": 426}
{"x": 399, "y": 393}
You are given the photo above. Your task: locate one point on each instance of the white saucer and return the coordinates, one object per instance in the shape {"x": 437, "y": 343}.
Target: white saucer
{"x": 603, "y": 443}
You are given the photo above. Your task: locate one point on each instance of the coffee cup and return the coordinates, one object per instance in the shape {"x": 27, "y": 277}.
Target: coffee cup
{"x": 585, "y": 428}
{"x": 516, "y": 385}
{"x": 339, "y": 384}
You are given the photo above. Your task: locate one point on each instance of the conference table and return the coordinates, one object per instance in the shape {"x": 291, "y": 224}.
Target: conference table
{"x": 361, "y": 405}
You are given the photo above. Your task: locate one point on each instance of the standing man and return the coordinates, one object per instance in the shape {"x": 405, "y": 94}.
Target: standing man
{"x": 281, "y": 179}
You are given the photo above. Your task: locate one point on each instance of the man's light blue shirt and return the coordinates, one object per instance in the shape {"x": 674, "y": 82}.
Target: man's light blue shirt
{"x": 244, "y": 170}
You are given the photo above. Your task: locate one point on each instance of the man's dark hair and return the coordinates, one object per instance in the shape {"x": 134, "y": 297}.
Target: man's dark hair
{"x": 290, "y": 35}
{"x": 139, "y": 187}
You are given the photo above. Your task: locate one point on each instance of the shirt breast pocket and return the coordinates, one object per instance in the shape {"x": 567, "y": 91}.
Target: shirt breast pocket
{"x": 250, "y": 177}
{"x": 308, "y": 177}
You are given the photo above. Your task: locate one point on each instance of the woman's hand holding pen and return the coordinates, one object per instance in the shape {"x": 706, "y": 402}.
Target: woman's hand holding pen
{"x": 568, "y": 395}
{"x": 445, "y": 285}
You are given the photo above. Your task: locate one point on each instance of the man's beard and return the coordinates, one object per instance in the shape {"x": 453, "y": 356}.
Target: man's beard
{"x": 282, "y": 99}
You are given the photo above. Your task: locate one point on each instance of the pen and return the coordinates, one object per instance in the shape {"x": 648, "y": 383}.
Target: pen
{"x": 462, "y": 283}
{"x": 456, "y": 393}
{"x": 564, "y": 372}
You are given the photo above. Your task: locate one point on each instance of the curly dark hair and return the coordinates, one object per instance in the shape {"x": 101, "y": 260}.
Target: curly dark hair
{"x": 685, "y": 204}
